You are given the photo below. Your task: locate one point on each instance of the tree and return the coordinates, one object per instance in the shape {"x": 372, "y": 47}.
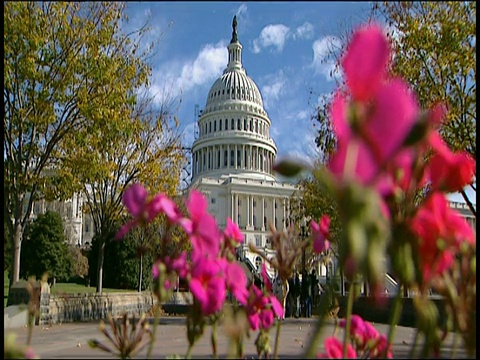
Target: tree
{"x": 68, "y": 67}
{"x": 313, "y": 200}
{"x": 80, "y": 261}
{"x": 7, "y": 248}
{"x": 74, "y": 91}
{"x": 45, "y": 249}
{"x": 145, "y": 149}
{"x": 435, "y": 46}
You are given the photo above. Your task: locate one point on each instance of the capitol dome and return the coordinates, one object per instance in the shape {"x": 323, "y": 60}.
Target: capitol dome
{"x": 234, "y": 128}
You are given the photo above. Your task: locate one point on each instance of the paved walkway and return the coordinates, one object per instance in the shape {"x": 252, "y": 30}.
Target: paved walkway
{"x": 69, "y": 341}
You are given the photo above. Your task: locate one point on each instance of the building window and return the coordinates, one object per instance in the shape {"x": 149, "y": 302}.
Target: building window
{"x": 87, "y": 227}
{"x": 220, "y": 125}
{"x": 210, "y": 127}
{"x": 239, "y": 220}
{"x": 225, "y": 158}
{"x": 254, "y": 221}
{"x": 258, "y": 263}
{"x": 232, "y": 125}
{"x": 265, "y": 221}
{"x": 215, "y": 125}
{"x": 239, "y": 157}
{"x": 254, "y": 203}
{"x": 258, "y": 242}
{"x": 213, "y": 200}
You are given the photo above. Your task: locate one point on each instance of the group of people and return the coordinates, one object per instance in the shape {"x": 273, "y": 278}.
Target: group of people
{"x": 302, "y": 294}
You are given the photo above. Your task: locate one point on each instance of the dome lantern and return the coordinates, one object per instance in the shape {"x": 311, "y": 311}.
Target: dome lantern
{"x": 234, "y": 50}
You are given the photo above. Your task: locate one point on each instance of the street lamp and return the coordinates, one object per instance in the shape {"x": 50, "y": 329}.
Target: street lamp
{"x": 303, "y": 235}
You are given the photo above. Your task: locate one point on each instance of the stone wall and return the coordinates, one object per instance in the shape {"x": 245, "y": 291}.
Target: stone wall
{"x": 88, "y": 307}
{"x": 55, "y": 309}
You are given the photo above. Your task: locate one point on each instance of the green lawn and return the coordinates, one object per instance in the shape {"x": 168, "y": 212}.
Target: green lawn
{"x": 60, "y": 288}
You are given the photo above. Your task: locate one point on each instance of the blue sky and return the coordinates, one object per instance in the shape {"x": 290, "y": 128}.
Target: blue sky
{"x": 284, "y": 44}
{"x": 282, "y": 49}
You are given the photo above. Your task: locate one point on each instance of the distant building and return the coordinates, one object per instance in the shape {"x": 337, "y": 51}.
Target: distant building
{"x": 233, "y": 158}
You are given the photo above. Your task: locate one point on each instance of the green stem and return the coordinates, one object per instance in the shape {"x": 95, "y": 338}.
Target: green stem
{"x": 189, "y": 352}
{"x": 214, "y": 339}
{"x": 240, "y": 348}
{"x": 396, "y": 313}
{"x": 324, "y": 307}
{"x": 414, "y": 345}
{"x": 312, "y": 345}
{"x": 154, "y": 330}
{"x": 348, "y": 318}
{"x": 277, "y": 337}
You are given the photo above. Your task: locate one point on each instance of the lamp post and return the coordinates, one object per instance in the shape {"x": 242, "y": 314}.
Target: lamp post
{"x": 303, "y": 235}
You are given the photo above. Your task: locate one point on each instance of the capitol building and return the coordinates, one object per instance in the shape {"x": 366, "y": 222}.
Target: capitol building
{"x": 233, "y": 158}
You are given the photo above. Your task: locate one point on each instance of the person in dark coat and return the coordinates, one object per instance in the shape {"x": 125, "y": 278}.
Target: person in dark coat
{"x": 314, "y": 287}
{"x": 294, "y": 296}
{"x": 306, "y": 293}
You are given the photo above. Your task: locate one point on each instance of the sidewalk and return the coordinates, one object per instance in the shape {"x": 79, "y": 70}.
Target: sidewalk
{"x": 69, "y": 341}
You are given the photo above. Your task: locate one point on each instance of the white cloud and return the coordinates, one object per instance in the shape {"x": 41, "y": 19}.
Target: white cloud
{"x": 321, "y": 62}
{"x": 274, "y": 88}
{"x": 271, "y": 35}
{"x": 207, "y": 66}
{"x": 304, "y": 31}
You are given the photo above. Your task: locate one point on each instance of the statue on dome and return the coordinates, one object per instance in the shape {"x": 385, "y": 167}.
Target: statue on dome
{"x": 234, "y": 33}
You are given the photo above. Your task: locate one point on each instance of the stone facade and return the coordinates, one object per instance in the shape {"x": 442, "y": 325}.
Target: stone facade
{"x": 89, "y": 307}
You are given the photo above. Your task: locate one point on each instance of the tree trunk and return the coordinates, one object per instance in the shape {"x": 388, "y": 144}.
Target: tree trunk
{"x": 140, "y": 275}
{"x": 17, "y": 245}
{"x": 101, "y": 252}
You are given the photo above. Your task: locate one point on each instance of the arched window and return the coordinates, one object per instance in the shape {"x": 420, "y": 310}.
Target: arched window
{"x": 220, "y": 125}
{"x": 232, "y": 125}
{"x": 232, "y": 158}
{"x": 215, "y": 125}
{"x": 225, "y": 158}
{"x": 258, "y": 263}
{"x": 239, "y": 157}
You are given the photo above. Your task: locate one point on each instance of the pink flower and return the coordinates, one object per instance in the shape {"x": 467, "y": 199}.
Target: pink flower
{"x": 233, "y": 232}
{"x": 202, "y": 230}
{"x": 236, "y": 281}
{"x": 260, "y": 309}
{"x": 440, "y": 230}
{"x": 334, "y": 350}
{"x": 208, "y": 285}
{"x": 135, "y": 199}
{"x": 365, "y": 62}
{"x": 320, "y": 233}
{"x": 357, "y": 328}
{"x": 451, "y": 172}
{"x": 373, "y": 127}
{"x": 379, "y": 347}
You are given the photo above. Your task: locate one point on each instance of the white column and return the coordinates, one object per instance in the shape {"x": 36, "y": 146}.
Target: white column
{"x": 284, "y": 213}
{"x": 249, "y": 210}
{"x": 232, "y": 202}
{"x": 263, "y": 213}
{"x": 273, "y": 211}
{"x": 236, "y": 209}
